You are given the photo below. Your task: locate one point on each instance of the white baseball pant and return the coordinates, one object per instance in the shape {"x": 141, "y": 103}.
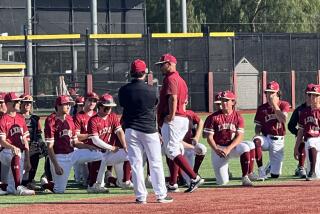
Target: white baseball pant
{"x": 138, "y": 144}
{"x": 66, "y": 161}
{"x": 313, "y": 142}
{"x": 6, "y": 158}
{"x": 173, "y": 134}
{"x": 221, "y": 165}
{"x": 276, "y": 152}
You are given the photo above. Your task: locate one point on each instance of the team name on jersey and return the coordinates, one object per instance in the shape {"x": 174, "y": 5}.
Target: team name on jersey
{"x": 270, "y": 117}
{"x": 66, "y": 132}
{"x": 15, "y": 130}
{"x": 230, "y": 126}
{"x": 311, "y": 119}
{"x": 105, "y": 130}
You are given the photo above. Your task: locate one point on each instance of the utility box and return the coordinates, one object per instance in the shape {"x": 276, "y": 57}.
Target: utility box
{"x": 247, "y": 85}
{"x": 11, "y": 76}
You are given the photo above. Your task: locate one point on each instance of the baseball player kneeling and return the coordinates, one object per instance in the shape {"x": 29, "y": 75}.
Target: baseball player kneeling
{"x": 193, "y": 150}
{"x": 224, "y": 131}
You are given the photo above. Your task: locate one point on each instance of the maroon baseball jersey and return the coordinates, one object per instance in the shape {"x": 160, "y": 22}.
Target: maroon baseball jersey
{"x": 194, "y": 120}
{"x": 224, "y": 127}
{"x": 14, "y": 129}
{"x": 61, "y": 133}
{"x": 173, "y": 84}
{"x": 81, "y": 120}
{"x": 266, "y": 118}
{"x": 309, "y": 122}
{"x": 104, "y": 128}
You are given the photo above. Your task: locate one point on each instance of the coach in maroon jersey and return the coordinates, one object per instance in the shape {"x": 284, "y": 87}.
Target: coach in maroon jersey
{"x": 173, "y": 120}
{"x": 309, "y": 132}
{"x": 224, "y": 130}
{"x": 270, "y": 120}
{"x": 14, "y": 137}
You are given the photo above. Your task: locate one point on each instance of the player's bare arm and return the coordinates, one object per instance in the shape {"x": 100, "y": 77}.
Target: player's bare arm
{"x": 4, "y": 143}
{"x": 80, "y": 145}
{"x": 121, "y": 137}
{"x": 173, "y": 102}
{"x": 82, "y": 137}
{"x": 214, "y": 146}
{"x": 199, "y": 130}
{"x": 299, "y": 139}
{"x": 187, "y": 145}
{"x": 52, "y": 156}
{"x": 281, "y": 116}
{"x": 238, "y": 139}
{"x": 257, "y": 130}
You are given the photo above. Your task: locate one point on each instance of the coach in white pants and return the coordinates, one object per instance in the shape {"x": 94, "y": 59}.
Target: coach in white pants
{"x": 138, "y": 101}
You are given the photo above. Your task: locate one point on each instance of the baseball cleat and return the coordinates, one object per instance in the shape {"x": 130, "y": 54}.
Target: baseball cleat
{"x": 97, "y": 188}
{"x": 301, "y": 172}
{"x": 194, "y": 184}
{"x": 167, "y": 199}
{"x": 173, "y": 188}
{"x": 126, "y": 185}
{"x": 253, "y": 177}
{"x": 312, "y": 176}
{"x": 21, "y": 190}
{"x": 246, "y": 181}
{"x": 3, "y": 192}
{"x": 140, "y": 202}
{"x": 261, "y": 174}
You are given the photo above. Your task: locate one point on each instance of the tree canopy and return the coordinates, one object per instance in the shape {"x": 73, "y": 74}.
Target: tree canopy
{"x": 238, "y": 15}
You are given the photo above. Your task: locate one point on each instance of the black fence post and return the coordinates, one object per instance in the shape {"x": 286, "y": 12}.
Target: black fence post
{"x": 88, "y": 64}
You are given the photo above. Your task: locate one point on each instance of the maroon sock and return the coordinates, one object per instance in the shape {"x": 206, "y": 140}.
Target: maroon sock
{"x": 109, "y": 168}
{"x": 181, "y": 161}
{"x": 173, "y": 168}
{"x": 48, "y": 186}
{"x": 251, "y": 164}
{"x": 93, "y": 172}
{"x": 257, "y": 143}
{"x": 148, "y": 169}
{"x": 302, "y": 154}
{"x": 245, "y": 161}
{"x": 15, "y": 167}
{"x": 313, "y": 159}
{"x": 197, "y": 163}
{"x": 126, "y": 171}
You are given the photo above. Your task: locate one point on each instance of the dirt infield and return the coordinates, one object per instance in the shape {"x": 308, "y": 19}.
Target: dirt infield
{"x": 292, "y": 197}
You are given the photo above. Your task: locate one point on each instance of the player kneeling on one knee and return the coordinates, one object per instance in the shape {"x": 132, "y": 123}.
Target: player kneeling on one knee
{"x": 270, "y": 120}
{"x": 224, "y": 131}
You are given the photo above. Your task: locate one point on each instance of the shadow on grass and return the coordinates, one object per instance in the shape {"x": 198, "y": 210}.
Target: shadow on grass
{"x": 69, "y": 203}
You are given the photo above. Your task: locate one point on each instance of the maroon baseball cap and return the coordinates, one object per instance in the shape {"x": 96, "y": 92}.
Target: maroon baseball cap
{"x": 315, "y": 90}
{"x": 2, "y": 95}
{"x": 63, "y": 99}
{"x": 26, "y": 98}
{"x": 11, "y": 96}
{"x": 167, "y": 58}
{"x": 272, "y": 86}
{"x": 92, "y": 95}
{"x": 229, "y": 95}
{"x": 217, "y": 98}
{"x": 79, "y": 100}
{"x": 138, "y": 66}
{"x": 309, "y": 87}
{"x": 107, "y": 100}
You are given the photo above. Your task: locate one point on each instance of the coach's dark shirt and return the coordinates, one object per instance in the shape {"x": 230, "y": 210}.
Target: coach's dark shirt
{"x": 292, "y": 125}
{"x": 139, "y": 106}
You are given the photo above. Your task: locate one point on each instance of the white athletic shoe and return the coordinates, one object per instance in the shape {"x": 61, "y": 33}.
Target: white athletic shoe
{"x": 173, "y": 188}
{"x": 21, "y": 190}
{"x": 97, "y": 188}
{"x": 253, "y": 177}
{"x": 125, "y": 185}
{"x": 246, "y": 181}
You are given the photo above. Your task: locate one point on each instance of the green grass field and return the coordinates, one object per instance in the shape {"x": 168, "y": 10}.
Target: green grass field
{"x": 74, "y": 192}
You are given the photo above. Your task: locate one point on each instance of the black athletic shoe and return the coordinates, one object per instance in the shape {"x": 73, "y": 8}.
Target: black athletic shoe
{"x": 311, "y": 176}
{"x": 140, "y": 202}
{"x": 194, "y": 184}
